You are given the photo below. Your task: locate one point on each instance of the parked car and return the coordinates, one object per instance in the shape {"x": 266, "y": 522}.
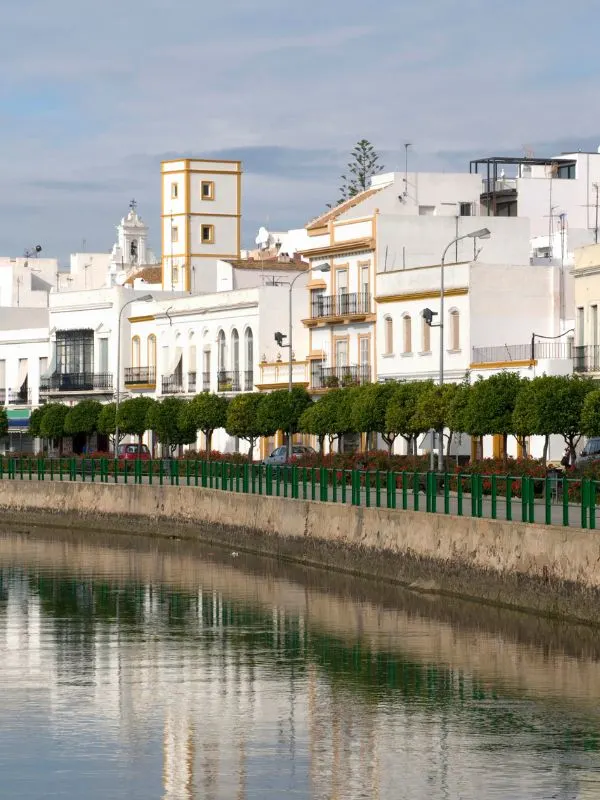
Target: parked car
{"x": 134, "y": 452}
{"x": 280, "y": 454}
{"x": 591, "y": 452}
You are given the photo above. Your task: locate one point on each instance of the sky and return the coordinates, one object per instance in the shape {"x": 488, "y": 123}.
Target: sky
{"x": 94, "y": 95}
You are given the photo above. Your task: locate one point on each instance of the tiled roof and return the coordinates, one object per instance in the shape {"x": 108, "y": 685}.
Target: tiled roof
{"x": 333, "y": 213}
{"x": 147, "y": 274}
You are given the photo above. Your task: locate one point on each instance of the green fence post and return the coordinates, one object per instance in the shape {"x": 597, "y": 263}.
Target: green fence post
{"x": 434, "y": 479}
{"x": 565, "y": 514}
{"x": 531, "y": 503}
{"x": 509, "y": 488}
{"x": 161, "y": 471}
{"x": 93, "y": 470}
{"x": 51, "y": 469}
{"x": 367, "y": 488}
{"x": 125, "y": 470}
{"x": 459, "y": 495}
{"x": 585, "y": 500}
{"x": 416, "y": 487}
{"x": 592, "y": 505}
{"x": 21, "y": 467}
{"x": 548, "y": 499}
{"x": 286, "y": 471}
{"x": 404, "y": 491}
{"x": 377, "y": 489}
{"x": 474, "y": 483}
{"x": 313, "y": 483}
{"x": 260, "y": 479}
{"x": 388, "y": 489}
{"x": 494, "y": 497}
{"x": 29, "y": 469}
{"x": 428, "y": 507}
{"x": 304, "y": 484}
{"x": 323, "y": 485}
{"x": 60, "y": 468}
{"x": 245, "y": 479}
{"x": 480, "y": 496}
{"x": 446, "y": 493}
{"x": 524, "y": 497}
{"x": 395, "y": 489}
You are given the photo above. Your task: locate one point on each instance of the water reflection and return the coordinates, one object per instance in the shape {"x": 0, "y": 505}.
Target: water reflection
{"x": 172, "y": 672}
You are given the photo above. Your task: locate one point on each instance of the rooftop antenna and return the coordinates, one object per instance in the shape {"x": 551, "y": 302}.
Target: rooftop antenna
{"x": 406, "y": 146}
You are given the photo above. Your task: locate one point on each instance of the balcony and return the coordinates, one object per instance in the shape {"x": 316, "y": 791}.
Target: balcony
{"x": 191, "y": 383}
{"x": 586, "y": 358}
{"x": 228, "y": 381}
{"x": 101, "y": 382}
{"x": 249, "y": 380}
{"x": 140, "y": 376}
{"x": 206, "y": 381}
{"x": 502, "y": 354}
{"x": 172, "y": 384}
{"x": 340, "y": 306}
{"x": 19, "y": 397}
{"x": 341, "y": 377}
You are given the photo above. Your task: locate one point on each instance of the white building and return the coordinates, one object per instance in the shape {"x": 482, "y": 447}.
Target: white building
{"x": 201, "y": 221}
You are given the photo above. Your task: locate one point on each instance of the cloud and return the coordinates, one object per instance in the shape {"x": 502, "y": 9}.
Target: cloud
{"x": 95, "y": 95}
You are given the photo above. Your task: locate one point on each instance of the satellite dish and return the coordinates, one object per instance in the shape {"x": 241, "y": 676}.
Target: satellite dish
{"x": 263, "y": 239}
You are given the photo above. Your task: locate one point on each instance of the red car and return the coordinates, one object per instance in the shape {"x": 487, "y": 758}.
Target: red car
{"x": 134, "y": 452}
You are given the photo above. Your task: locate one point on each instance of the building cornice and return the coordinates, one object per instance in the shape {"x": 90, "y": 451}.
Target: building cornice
{"x": 425, "y": 295}
{"x": 341, "y": 248}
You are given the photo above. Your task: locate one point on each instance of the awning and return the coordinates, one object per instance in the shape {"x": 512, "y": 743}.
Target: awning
{"x": 51, "y": 368}
{"x": 18, "y": 419}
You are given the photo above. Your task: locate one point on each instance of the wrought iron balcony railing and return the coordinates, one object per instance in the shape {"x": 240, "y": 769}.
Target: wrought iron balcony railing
{"x": 340, "y": 305}
{"x": 19, "y": 397}
{"x": 228, "y": 381}
{"x": 172, "y": 384}
{"x": 586, "y": 358}
{"x": 341, "y": 377}
{"x": 206, "y": 381}
{"x": 249, "y": 380}
{"x": 77, "y": 382}
{"x": 523, "y": 352}
{"x": 140, "y": 375}
{"x": 191, "y": 383}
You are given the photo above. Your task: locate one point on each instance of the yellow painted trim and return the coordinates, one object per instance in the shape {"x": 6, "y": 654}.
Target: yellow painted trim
{"x": 200, "y": 214}
{"x": 346, "y": 319}
{"x": 137, "y": 386}
{"x": 211, "y": 232}
{"x": 341, "y": 248}
{"x": 163, "y": 179}
{"x": 202, "y": 255}
{"x": 188, "y": 230}
{"x": 503, "y": 364}
{"x": 355, "y": 221}
{"x": 200, "y": 161}
{"x": 145, "y": 318}
{"x": 316, "y": 284}
{"x": 428, "y": 295}
{"x": 322, "y": 231}
{"x": 315, "y": 356}
{"x": 239, "y": 214}
{"x": 266, "y": 387}
{"x": 497, "y": 445}
{"x": 285, "y": 364}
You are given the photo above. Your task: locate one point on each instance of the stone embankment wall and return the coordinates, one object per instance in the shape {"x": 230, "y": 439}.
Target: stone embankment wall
{"x": 547, "y": 568}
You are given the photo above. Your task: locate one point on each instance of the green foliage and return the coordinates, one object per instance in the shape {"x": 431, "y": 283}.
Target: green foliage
{"x": 3, "y": 422}
{"x": 107, "y": 419}
{"x": 458, "y": 408}
{"x": 491, "y": 404}
{"x": 35, "y": 421}
{"x": 330, "y": 416}
{"x": 83, "y": 418}
{"x": 281, "y": 410}
{"x": 243, "y": 417}
{"x": 205, "y": 412}
{"x": 363, "y": 165}
{"x": 53, "y": 421}
{"x": 590, "y": 414}
{"x": 401, "y": 417}
{"x": 433, "y": 403}
{"x": 132, "y": 417}
{"x": 164, "y": 419}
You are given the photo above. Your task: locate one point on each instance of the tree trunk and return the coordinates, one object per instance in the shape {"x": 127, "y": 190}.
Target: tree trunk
{"x": 251, "y": 449}
{"x": 449, "y": 445}
{"x": 545, "y": 450}
{"x": 208, "y": 437}
{"x": 321, "y": 439}
{"x": 504, "y": 449}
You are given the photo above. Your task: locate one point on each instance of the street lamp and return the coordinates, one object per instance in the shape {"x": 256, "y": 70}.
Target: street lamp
{"x": 279, "y": 337}
{"x": 481, "y": 233}
{"x": 146, "y": 298}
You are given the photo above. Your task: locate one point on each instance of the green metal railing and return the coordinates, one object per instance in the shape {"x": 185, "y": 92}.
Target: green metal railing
{"x": 553, "y": 500}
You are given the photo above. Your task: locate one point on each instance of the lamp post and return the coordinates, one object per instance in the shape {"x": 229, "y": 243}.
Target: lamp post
{"x": 279, "y": 337}
{"x": 481, "y": 233}
{"x": 146, "y": 298}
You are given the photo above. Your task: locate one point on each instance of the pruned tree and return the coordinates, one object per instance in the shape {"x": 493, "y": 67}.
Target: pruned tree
{"x": 132, "y": 416}
{"x": 281, "y": 410}
{"x": 52, "y": 425}
{"x": 433, "y": 404}
{"x": 491, "y": 406}
{"x": 165, "y": 420}
{"x": 243, "y": 418}
{"x": 83, "y": 419}
{"x": 206, "y": 413}
{"x": 363, "y": 165}
{"x": 401, "y": 417}
{"x": 35, "y": 422}
{"x": 107, "y": 422}
{"x": 330, "y": 417}
{"x": 369, "y": 411}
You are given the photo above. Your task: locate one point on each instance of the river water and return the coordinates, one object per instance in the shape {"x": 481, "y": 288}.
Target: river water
{"x": 144, "y": 669}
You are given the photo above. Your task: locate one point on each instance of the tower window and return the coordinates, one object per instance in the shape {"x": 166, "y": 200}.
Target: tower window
{"x": 174, "y": 191}
{"x": 207, "y": 233}
{"x": 174, "y": 233}
{"x": 207, "y": 190}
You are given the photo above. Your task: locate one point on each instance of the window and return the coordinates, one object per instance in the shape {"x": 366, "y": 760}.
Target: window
{"x": 43, "y": 367}
{"x": 135, "y": 351}
{"x": 152, "y": 350}
{"x": 341, "y": 353}
{"x": 389, "y": 336}
{"x": 75, "y": 352}
{"x": 207, "y": 234}
{"x": 364, "y": 354}
{"x": 175, "y": 274}
{"x": 594, "y": 325}
{"x": 426, "y": 343}
{"x": 174, "y": 233}
{"x": 221, "y": 351}
{"x": 364, "y": 280}
{"x": 249, "y": 382}
{"x": 466, "y": 209}
{"x": 566, "y": 171}
{"x": 174, "y": 191}
{"x": 454, "y": 329}
{"x": 235, "y": 350}
{"x": 207, "y": 190}
{"x": 406, "y": 334}
{"x": 580, "y": 328}
{"x": 317, "y": 303}
{"x": 103, "y": 355}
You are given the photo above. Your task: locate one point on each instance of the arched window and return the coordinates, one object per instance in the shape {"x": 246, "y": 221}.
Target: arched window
{"x": 389, "y": 336}
{"x": 426, "y": 343}
{"x": 235, "y": 350}
{"x": 152, "y": 351}
{"x": 135, "y": 351}
{"x": 249, "y": 378}
{"x": 406, "y": 334}
{"x": 221, "y": 351}
{"x": 454, "y": 329}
